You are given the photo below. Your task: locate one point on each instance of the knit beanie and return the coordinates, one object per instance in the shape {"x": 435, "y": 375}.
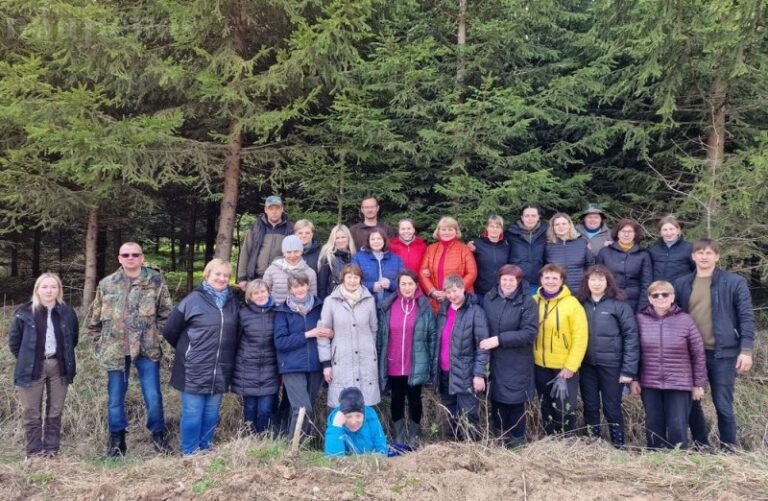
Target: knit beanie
{"x": 292, "y": 243}
{"x": 351, "y": 400}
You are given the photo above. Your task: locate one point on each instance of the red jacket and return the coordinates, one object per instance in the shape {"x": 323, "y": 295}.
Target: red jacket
{"x": 671, "y": 351}
{"x": 411, "y": 254}
{"x": 458, "y": 261}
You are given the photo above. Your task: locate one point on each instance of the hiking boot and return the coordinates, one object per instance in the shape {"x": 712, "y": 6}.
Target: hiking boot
{"x": 414, "y": 430}
{"x": 399, "y": 435}
{"x": 160, "y": 443}
{"x": 593, "y": 430}
{"x": 117, "y": 447}
{"x": 617, "y": 437}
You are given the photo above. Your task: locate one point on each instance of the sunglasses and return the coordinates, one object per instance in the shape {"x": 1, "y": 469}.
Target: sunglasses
{"x": 657, "y": 295}
{"x": 126, "y": 255}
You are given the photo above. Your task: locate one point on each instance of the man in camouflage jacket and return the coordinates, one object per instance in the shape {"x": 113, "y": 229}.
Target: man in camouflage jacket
{"x": 125, "y": 323}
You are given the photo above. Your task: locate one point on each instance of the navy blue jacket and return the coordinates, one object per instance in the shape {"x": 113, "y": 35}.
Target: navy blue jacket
{"x": 391, "y": 265}
{"x": 527, "y": 255}
{"x": 489, "y": 257}
{"x": 574, "y": 256}
{"x": 311, "y": 254}
{"x": 295, "y": 353}
{"x": 515, "y": 321}
{"x": 256, "y": 361}
{"x": 632, "y": 270}
{"x": 733, "y": 317}
{"x": 613, "y": 338}
{"x": 671, "y": 263}
{"x": 205, "y": 339}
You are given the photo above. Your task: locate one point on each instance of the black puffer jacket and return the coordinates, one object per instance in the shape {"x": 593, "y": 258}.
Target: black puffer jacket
{"x": 515, "y": 321}
{"x": 22, "y": 340}
{"x": 526, "y": 249}
{"x": 490, "y": 257}
{"x": 467, "y": 359}
{"x": 574, "y": 256}
{"x": 328, "y": 279}
{"x": 205, "y": 339}
{"x": 671, "y": 263}
{"x": 255, "y": 373}
{"x": 632, "y": 270}
{"x": 733, "y": 317}
{"x": 311, "y": 255}
{"x": 613, "y": 340}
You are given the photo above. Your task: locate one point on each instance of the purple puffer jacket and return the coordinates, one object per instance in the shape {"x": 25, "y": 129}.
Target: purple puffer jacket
{"x": 671, "y": 351}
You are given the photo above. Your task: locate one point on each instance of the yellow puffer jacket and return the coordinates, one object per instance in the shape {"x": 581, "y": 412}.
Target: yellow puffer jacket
{"x": 563, "y": 331}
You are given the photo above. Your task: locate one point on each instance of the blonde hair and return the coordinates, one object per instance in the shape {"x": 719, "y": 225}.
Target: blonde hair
{"x": 662, "y": 285}
{"x": 36, "y": 299}
{"x": 303, "y": 223}
{"x": 449, "y": 222}
{"x": 669, "y": 220}
{"x": 572, "y": 234}
{"x": 495, "y": 219}
{"x": 253, "y": 286}
{"x": 326, "y": 252}
{"x": 214, "y": 263}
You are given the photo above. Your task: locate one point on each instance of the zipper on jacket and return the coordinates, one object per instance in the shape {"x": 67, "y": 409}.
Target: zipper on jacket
{"x": 218, "y": 349}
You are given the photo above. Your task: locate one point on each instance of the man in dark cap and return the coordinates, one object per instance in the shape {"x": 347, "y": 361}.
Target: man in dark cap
{"x": 261, "y": 243}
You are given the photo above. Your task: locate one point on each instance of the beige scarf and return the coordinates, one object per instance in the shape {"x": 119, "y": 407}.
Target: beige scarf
{"x": 352, "y": 297}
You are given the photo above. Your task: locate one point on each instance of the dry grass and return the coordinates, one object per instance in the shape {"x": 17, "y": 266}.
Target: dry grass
{"x": 577, "y": 468}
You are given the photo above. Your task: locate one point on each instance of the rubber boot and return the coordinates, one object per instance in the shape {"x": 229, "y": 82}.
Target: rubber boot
{"x": 593, "y": 430}
{"x": 414, "y": 431}
{"x": 400, "y": 437}
{"x": 617, "y": 436}
{"x": 117, "y": 447}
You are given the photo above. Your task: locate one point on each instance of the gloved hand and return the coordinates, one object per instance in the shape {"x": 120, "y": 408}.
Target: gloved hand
{"x": 559, "y": 389}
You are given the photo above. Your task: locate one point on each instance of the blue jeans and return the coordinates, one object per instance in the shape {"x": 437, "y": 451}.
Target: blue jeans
{"x": 721, "y": 373}
{"x": 117, "y": 385}
{"x": 199, "y": 417}
{"x": 258, "y": 411}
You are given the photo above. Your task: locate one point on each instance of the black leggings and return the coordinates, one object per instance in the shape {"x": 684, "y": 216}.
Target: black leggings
{"x": 400, "y": 390}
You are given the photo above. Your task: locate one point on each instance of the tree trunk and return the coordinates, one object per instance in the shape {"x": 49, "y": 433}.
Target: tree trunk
{"x": 101, "y": 254}
{"x": 172, "y": 235}
{"x": 210, "y": 230}
{"x": 191, "y": 237}
{"x": 60, "y": 244}
{"x": 115, "y": 242}
{"x": 228, "y": 210}
{"x": 91, "y": 237}
{"x": 715, "y": 150}
{"x": 36, "y": 238}
{"x": 15, "y": 259}
{"x": 461, "y": 41}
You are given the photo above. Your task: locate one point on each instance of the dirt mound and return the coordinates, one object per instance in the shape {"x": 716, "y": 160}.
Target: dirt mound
{"x": 253, "y": 468}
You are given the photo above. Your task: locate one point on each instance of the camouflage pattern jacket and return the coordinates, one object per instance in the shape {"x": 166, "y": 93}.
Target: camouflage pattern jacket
{"x": 127, "y": 317}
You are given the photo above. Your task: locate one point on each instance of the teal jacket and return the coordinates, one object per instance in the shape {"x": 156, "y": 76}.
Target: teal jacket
{"x": 369, "y": 438}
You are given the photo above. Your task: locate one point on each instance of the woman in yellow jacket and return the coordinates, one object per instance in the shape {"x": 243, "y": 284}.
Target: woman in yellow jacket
{"x": 560, "y": 347}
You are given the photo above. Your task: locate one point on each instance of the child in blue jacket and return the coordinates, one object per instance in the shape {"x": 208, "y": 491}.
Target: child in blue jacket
{"x": 354, "y": 428}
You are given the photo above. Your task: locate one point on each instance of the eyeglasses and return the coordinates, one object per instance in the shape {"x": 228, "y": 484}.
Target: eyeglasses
{"x": 657, "y": 295}
{"x": 627, "y": 232}
{"x": 126, "y": 255}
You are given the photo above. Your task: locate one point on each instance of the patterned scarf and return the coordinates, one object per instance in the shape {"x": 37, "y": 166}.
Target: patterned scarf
{"x": 220, "y": 297}
{"x": 300, "y": 306}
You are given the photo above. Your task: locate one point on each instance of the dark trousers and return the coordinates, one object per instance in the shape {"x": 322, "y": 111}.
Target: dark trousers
{"x": 666, "y": 417}
{"x": 557, "y": 415}
{"x": 721, "y": 373}
{"x": 258, "y": 411}
{"x": 302, "y": 388}
{"x": 464, "y": 410}
{"x": 400, "y": 391}
{"x": 509, "y": 422}
{"x": 55, "y": 386}
{"x": 601, "y": 383}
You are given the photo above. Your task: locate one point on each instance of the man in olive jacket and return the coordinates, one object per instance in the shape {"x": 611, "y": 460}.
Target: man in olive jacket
{"x": 125, "y": 323}
{"x": 721, "y": 306}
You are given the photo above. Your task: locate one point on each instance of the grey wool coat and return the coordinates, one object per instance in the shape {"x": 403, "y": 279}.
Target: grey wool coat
{"x": 352, "y": 351}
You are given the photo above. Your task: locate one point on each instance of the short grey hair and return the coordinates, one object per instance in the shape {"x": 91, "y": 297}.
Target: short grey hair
{"x": 453, "y": 281}
{"x": 253, "y": 286}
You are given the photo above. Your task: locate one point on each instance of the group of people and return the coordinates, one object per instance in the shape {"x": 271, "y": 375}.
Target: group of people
{"x": 536, "y": 310}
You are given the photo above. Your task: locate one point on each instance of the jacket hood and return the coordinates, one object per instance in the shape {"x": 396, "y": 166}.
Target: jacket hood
{"x": 519, "y": 229}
